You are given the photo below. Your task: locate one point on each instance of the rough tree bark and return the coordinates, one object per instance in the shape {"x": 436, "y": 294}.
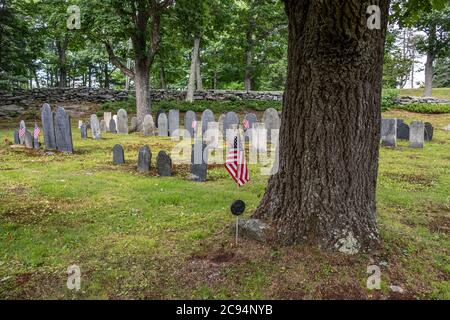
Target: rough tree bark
{"x": 429, "y": 70}
{"x": 324, "y": 191}
{"x": 198, "y": 73}
{"x": 193, "y": 70}
{"x": 61, "y": 46}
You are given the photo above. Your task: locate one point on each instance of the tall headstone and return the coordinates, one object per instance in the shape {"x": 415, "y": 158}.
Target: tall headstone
{"x": 212, "y": 136}
{"x": 389, "y": 132}
{"x": 103, "y": 127}
{"x": 174, "y": 121}
{"x": 48, "y": 126}
{"x": 63, "y": 131}
{"x": 163, "y": 127}
{"x": 207, "y": 117}
{"x": 144, "y": 159}
{"x": 107, "y": 116}
{"x": 28, "y": 140}
{"x": 95, "y": 128}
{"x": 164, "y": 164}
{"x": 199, "y": 165}
{"x": 230, "y": 119}
{"x": 122, "y": 122}
{"x": 112, "y": 126}
{"x": 16, "y": 136}
{"x": 417, "y": 134}
{"x": 190, "y": 123}
{"x": 118, "y": 155}
{"x": 251, "y": 119}
{"x": 160, "y": 111}
{"x": 148, "y": 126}
{"x": 83, "y": 131}
{"x": 272, "y": 122}
{"x": 429, "y": 131}
{"x": 22, "y": 128}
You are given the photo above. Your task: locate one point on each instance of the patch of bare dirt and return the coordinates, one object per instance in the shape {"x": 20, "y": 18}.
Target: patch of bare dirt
{"x": 440, "y": 224}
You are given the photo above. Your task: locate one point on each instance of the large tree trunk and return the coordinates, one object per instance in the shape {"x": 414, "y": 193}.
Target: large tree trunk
{"x": 198, "y": 73}
{"x": 61, "y": 46}
{"x": 142, "y": 85}
{"x": 248, "y": 71}
{"x": 324, "y": 191}
{"x": 428, "y": 92}
{"x": 192, "y": 72}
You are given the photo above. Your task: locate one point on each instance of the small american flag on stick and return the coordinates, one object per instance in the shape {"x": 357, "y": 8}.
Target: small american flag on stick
{"x": 194, "y": 124}
{"x": 246, "y": 124}
{"x": 236, "y": 165}
{"x": 37, "y": 131}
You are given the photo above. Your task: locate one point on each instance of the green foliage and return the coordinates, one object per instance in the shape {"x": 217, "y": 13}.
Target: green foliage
{"x": 388, "y": 98}
{"x": 427, "y": 108}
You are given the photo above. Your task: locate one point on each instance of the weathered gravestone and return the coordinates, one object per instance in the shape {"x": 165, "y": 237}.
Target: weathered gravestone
{"x": 95, "y": 128}
{"x": 221, "y": 122}
{"x": 164, "y": 164}
{"x": 36, "y": 133}
{"x": 163, "y": 127}
{"x": 16, "y": 136}
{"x": 112, "y": 126}
{"x": 212, "y": 135}
{"x": 199, "y": 165}
{"x": 83, "y": 131}
{"x": 23, "y": 129}
{"x": 174, "y": 121}
{"x": 161, "y": 111}
{"x": 118, "y": 155}
{"x": 148, "y": 125}
{"x": 403, "y": 131}
{"x": 416, "y": 134}
{"x": 230, "y": 119}
{"x": 28, "y": 140}
{"x": 63, "y": 131}
{"x": 122, "y": 122}
{"x": 207, "y": 117}
{"x": 429, "y": 131}
{"x": 272, "y": 122}
{"x": 389, "y": 132}
{"x": 258, "y": 141}
{"x": 48, "y": 126}
{"x": 107, "y": 116}
{"x": 144, "y": 160}
{"x": 251, "y": 119}
{"x": 190, "y": 120}
{"x": 103, "y": 127}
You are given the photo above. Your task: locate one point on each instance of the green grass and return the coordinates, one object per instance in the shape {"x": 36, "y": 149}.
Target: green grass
{"x": 441, "y": 93}
{"x": 139, "y": 236}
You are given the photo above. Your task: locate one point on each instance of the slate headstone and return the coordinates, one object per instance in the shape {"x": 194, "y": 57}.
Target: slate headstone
{"x": 199, "y": 165}
{"x": 389, "y": 132}
{"x": 144, "y": 159}
{"x": 95, "y": 128}
{"x": 417, "y": 134}
{"x": 207, "y": 117}
{"x": 190, "y": 119}
{"x": 230, "y": 119}
{"x": 36, "y": 143}
{"x": 148, "y": 126}
{"x": 28, "y": 140}
{"x": 161, "y": 111}
{"x": 251, "y": 119}
{"x": 429, "y": 131}
{"x": 48, "y": 126}
{"x": 23, "y": 127}
{"x": 112, "y": 126}
{"x": 163, "y": 128}
{"x": 122, "y": 122}
{"x": 403, "y": 131}
{"x": 118, "y": 155}
{"x": 212, "y": 136}
{"x": 103, "y": 127}
{"x": 164, "y": 164}
{"x": 174, "y": 121}
{"x": 63, "y": 131}
{"x": 272, "y": 122}
{"x": 16, "y": 136}
{"x": 83, "y": 131}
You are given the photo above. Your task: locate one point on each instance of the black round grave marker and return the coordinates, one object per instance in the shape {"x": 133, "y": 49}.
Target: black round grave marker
{"x": 238, "y": 207}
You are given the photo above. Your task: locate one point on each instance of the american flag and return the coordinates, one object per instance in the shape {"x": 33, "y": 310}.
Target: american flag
{"x": 246, "y": 124}
{"x": 37, "y": 131}
{"x": 194, "y": 124}
{"x": 22, "y": 132}
{"x": 235, "y": 164}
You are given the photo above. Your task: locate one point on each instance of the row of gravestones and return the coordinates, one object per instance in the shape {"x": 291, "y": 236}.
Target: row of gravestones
{"x": 28, "y": 139}
{"x": 417, "y": 132}
{"x": 164, "y": 165}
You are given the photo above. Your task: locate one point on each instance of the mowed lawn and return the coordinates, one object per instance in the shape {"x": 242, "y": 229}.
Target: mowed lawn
{"x": 138, "y": 236}
{"x": 441, "y": 93}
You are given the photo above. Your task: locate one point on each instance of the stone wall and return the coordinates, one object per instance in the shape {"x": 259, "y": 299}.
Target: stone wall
{"x": 16, "y": 103}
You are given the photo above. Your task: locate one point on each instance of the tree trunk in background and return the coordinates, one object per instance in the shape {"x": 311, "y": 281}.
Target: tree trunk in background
{"x": 90, "y": 76}
{"x": 324, "y": 191}
{"x": 36, "y": 79}
{"x": 248, "y": 71}
{"x": 107, "y": 80}
{"x": 198, "y": 73}
{"x": 428, "y": 92}
{"x": 215, "y": 80}
{"x": 192, "y": 73}
{"x": 61, "y": 46}
{"x": 142, "y": 84}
